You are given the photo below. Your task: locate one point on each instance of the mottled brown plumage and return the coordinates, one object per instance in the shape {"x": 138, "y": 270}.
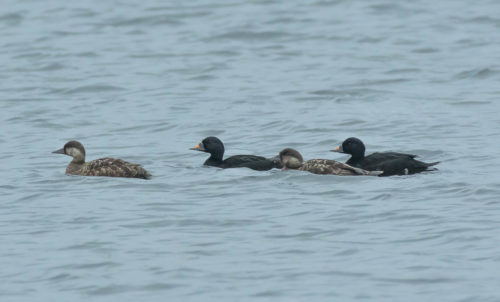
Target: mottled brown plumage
{"x": 110, "y": 167}
{"x": 291, "y": 159}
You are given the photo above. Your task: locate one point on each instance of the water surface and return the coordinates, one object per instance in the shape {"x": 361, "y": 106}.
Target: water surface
{"x": 145, "y": 81}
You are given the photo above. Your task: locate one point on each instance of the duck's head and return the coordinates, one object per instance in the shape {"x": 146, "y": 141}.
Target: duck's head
{"x": 74, "y": 149}
{"x": 290, "y": 159}
{"x": 353, "y": 146}
{"x": 211, "y": 145}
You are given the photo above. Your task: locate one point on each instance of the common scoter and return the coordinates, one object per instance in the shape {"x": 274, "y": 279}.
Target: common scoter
{"x": 110, "y": 167}
{"x": 215, "y": 147}
{"x": 291, "y": 159}
{"x": 392, "y": 163}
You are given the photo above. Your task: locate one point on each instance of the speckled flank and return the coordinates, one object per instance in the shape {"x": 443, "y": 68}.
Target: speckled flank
{"x": 326, "y": 166}
{"x": 110, "y": 167}
{"x": 292, "y": 159}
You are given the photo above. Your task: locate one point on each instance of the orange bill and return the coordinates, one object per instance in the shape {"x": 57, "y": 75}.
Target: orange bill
{"x": 338, "y": 149}
{"x": 198, "y": 147}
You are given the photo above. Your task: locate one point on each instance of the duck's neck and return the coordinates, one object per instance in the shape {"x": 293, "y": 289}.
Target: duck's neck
{"x": 357, "y": 152}
{"x": 211, "y": 161}
{"x": 355, "y": 159}
{"x": 78, "y": 158}
{"x": 215, "y": 156}
{"x": 74, "y": 167}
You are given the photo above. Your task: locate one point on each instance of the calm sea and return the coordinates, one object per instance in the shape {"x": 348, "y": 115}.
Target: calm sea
{"x": 147, "y": 80}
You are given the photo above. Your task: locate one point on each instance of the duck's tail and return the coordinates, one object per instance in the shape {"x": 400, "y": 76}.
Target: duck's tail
{"x": 432, "y": 164}
{"x": 429, "y": 165}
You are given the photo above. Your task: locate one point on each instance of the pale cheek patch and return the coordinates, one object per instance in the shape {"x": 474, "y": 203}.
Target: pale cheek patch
{"x": 74, "y": 152}
{"x": 294, "y": 163}
{"x": 291, "y": 162}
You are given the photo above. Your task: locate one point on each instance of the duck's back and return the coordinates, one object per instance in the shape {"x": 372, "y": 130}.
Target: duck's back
{"x": 113, "y": 167}
{"x": 328, "y": 166}
{"x": 254, "y": 162}
{"x": 393, "y": 163}
{"x": 382, "y": 156}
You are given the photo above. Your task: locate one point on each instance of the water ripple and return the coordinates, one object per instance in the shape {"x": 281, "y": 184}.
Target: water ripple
{"x": 145, "y": 81}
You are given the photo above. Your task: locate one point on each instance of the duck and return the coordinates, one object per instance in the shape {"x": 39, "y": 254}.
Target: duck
{"x": 292, "y": 159}
{"x": 215, "y": 147}
{"x": 392, "y": 163}
{"x": 110, "y": 167}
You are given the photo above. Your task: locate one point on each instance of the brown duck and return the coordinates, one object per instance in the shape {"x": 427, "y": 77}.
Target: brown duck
{"x": 110, "y": 167}
{"x": 291, "y": 159}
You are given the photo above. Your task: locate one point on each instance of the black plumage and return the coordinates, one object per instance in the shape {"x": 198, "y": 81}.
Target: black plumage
{"x": 215, "y": 147}
{"x": 110, "y": 167}
{"x": 392, "y": 163}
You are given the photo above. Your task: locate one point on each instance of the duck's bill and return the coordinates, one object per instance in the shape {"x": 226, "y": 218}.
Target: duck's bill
{"x": 60, "y": 151}
{"x": 338, "y": 149}
{"x": 198, "y": 147}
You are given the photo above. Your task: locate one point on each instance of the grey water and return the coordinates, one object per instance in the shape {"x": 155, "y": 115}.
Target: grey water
{"x": 147, "y": 80}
